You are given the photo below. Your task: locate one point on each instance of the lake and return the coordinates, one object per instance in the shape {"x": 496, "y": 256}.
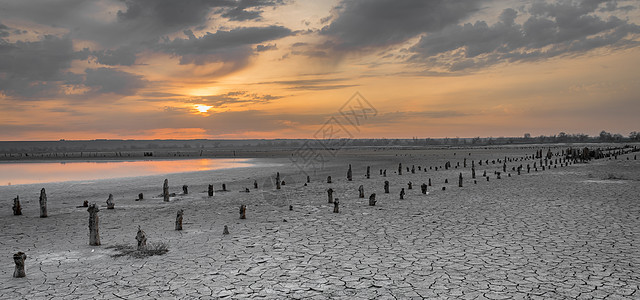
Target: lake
{"x": 41, "y": 172}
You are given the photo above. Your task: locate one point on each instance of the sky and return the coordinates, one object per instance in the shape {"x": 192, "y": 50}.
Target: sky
{"x": 254, "y": 69}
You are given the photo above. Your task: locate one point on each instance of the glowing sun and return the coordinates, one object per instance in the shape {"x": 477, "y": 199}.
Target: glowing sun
{"x": 202, "y": 108}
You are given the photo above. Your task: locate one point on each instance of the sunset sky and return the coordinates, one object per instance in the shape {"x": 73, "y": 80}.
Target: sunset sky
{"x": 147, "y": 69}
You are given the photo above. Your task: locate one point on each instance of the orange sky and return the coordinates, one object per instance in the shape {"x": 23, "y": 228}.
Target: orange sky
{"x": 144, "y": 69}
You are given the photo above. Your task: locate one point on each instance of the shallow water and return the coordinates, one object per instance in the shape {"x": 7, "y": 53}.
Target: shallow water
{"x": 43, "y": 172}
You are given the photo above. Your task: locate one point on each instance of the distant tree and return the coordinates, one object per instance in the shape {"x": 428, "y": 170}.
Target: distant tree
{"x": 605, "y": 136}
{"x": 527, "y": 136}
{"x": 617, "y": 137}
{"x": 634, "y": 136}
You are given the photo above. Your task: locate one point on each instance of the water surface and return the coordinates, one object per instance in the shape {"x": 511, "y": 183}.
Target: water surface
{"x": 42, "y": 172}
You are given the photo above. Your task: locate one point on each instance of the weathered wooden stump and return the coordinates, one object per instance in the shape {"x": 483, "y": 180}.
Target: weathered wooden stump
{"x": 484, "y": 173}
{"x": 504, "y": 167}
{"x": 110, "y": 204}
{"x": 243, "y": 211}
{"x": 335, "y": 206}
{"x": 423, "y": 188}
{"x": 17, "y": 209}
{"x": 473, "y": 172}
{"x": 224, "y": 187}
{"x": 349, "y": 174}
{"x": 402, "y": 194}
{"x": 94, "y": 235}
{"x": 498, "y": 177}
{"x": 372, "y": 199}
{"x": 18, "y": 259}
{"x": 384, "y": 173}
{"x": 444, "y": 188}
{"x": 225, "y": 230}
{"x": 210, "y": 190}
{"x": 330, "y": 195}
{"x": 429, "y": 181}
{"x": 465, "y": 162}
{"x": 368, "y": 172}
{"x": 141, "y": 238}
{"x": 278, "y": 180}
{"x": 255, "y": 184}
{"x": 283, "y": 183}
{"x": 400, "y": 169}
{"x": 290, "y": 207}
{"x": 487, "y": 178}
{"x": 460, "y": 180}
{"x": 446, "y": 180}
{"x": 518, "y": 171}
{"x": 328, "y": 179}
{"x": 413, "y": 169}
{"x": 386, "y": 187}
{"x": 165, "y": 190}
{"x": 179, "y": 219}
{"x": 380, "y": 171}
{"x": 361, "y": 191}
{"x": 85, "y": 203}
{"x": 308, "y": 179}
{"x": 140, "y": 197}
{"x": 475, "y": 182}
{"x": 409, "y": 185}
{"x": 185, "y": 189}
{"x": 43, "y": 203}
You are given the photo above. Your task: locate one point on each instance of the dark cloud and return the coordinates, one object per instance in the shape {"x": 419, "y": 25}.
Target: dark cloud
{"x": 250, "y": 9}
{"x": 262, "y": 48}
{"x": 319, "y": 84}
{"x": 363, "y": 24}
{"x": 4, "y": 30}
{"x": 233, "y": 46}
{"x": 124, "y": 56}
{"x": 34, "y": 68}
{"x": 109, "y": 80}
{"x": 552, "y": 29}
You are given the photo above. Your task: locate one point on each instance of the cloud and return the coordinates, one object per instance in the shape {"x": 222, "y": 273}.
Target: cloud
{"x": 237, "y": 97}
{"x": 31, "y": 68}
{"x": 109, "y": 80}
{"x": 362, "y": 24}
{"x": 124, "y": 56}
{"x": 552, "y": 29}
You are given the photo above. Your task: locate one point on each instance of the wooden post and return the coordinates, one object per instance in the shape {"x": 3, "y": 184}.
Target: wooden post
{"x": 400, "y": 169}
{"x": 372, "y": 199}
{"x": 446, "y": 180}
{"x": 185, "y": 189}
{"x": 85, "y": 203}
{"x": 361, "y": 191}
{"x": 17, "y": 209}
{"x": 308, "y": 179}
{"x": 368, "y": 172}
{"x": 465, "y": 162}
{"x": 210, "y": 190}
{"x": 18, "y": 259}
{"x": 278, "y": 180}
{"x": 402, "y": 194}
{"x": 460, "y": 180}
{"x": 413, "y": 169}
{"x": 409, "y": 185}
{"x": 335, "y": 206}
{"x": 94, "y": 235}
{"x": 423, "y": 188}
{"x": 328, "y": 179}
{"x": 243, "y": 211}
{"x": 255, "y": 184}
{"x": 384, "y": 174}
{"x": 179, "y": 219}
{"x": 349, "y": 174}
{"x": 110, "y": 204}
{"x": 473, "y": 172}
{"x": 429, "y": 181}
{"x": 141, "y": 238}
{"x": 226, "y": 230}
{"x": 504, "y": 167}
{"x": 165, "y": 190}
{"x": 330, "y": 195}
{"x": 140, "y": 196}
{"x": 43, "y": 203}
{"x": 224, "y": 187}
{"x": 386, "y": 187}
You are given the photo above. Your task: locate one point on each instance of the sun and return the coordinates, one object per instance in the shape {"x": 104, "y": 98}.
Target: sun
{"x": 202, "y": 108}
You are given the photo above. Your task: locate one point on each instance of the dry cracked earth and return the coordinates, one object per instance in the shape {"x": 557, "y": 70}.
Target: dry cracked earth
{"x": 569, "y": 232}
